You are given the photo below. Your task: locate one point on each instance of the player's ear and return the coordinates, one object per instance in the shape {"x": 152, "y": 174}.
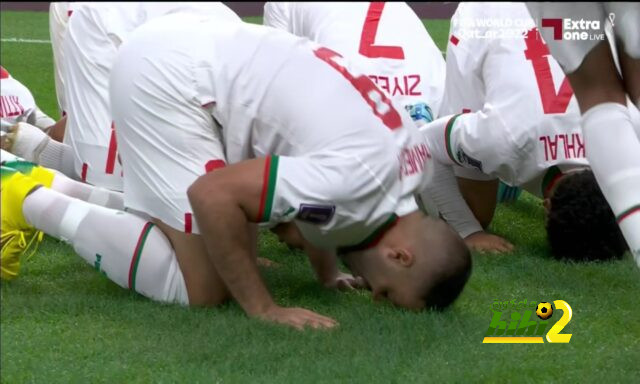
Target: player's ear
{"x": 400, "y": 256}
{"x": 546, "y": 203}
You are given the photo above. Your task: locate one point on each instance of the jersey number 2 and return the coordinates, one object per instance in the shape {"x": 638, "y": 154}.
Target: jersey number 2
{"x": 377, "y": 100}
{"x": 369, "y": 31}
{"x": 537, "y": 51}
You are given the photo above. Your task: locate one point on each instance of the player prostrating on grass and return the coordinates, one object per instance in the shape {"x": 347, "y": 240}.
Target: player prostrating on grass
{"x": 89, "y": 47}
{"x": 612, "y": 146}
{"x": 523, "y": 127}
{"x": 308, "y": 142}
{"x": 404, "y": 62}
{"x": 340, "y": 180}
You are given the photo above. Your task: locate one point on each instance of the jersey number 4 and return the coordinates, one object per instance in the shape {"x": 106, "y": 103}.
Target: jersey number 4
{"x": 537, "y": 51}
{"x": 377, "y": 100}
{"x": 369, "y": 31}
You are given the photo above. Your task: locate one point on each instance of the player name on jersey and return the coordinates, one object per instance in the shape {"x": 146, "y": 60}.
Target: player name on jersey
{"x": 413, "y": 159}
{"x": 572, "y": 146}
{"x": 407, "y": 85}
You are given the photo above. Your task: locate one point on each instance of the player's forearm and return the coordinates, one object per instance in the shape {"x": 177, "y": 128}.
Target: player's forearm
{"x": 444, "y": 191}
{"x": 324, "y": 264}
{"x": 228, "y": 245}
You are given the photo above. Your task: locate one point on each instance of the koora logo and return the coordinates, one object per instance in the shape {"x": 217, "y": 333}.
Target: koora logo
{"x": 521, "y": 328}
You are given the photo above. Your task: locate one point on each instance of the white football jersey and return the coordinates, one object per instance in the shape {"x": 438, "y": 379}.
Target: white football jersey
{"x": 523, "y": 121}
{"x": 17, "y": 104}
{"x": 342, "y": 161}
{"x": 386, "y": 39}
{"x": 93, "y": 36}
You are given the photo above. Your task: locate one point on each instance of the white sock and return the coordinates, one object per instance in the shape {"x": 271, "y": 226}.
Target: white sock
{"x": 89, "y": 193}
{"x": 130, "y": 251}
{"x": 33, "y": 145}
{"x": 613, "y": 151}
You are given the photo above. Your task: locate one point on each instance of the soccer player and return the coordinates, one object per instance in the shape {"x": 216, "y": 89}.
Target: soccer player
{"x": 387, "y": 40}
{"x": 404, "y": 62}
{"x": 613, "y": 148}
{"x": 18, "y": 105}
{"x": 89, "y": 47}
{"x": 324, "y": 174}
{"x": 13, "y": 243}
{"x": 18, "y": 109}
{"x": 306, "y": 141}
{"x": 521, "y": 125}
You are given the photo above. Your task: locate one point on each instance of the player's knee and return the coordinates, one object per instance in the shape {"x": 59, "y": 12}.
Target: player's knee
{"x": 203, "y": 298}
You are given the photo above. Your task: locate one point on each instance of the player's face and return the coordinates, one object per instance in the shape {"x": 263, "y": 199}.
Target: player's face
{"x": 387, "y": 278}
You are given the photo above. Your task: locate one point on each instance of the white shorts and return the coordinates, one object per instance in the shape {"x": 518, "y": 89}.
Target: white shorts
{"x": 571, "y": 53}
{"x": 167, "y": 136}
{"x": 88, "y": 56}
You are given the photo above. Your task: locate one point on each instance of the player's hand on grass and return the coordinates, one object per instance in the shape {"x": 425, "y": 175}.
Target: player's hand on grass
{"x": 345, "y": 282}
{"x": 298, "y": 318}
{"x": 486, "y": 242}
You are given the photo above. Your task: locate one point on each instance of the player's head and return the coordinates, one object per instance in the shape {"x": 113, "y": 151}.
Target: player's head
{"x": 580, "y": 224}
{"x": 419, "y": 262}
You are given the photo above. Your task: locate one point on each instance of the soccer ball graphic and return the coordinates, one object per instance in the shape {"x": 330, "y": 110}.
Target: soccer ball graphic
{"x": 544, "y": 310}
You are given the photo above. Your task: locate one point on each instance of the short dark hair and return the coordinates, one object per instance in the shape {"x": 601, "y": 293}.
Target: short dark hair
{"x": 581, "y": 225}
{"x": 447, "y": 289}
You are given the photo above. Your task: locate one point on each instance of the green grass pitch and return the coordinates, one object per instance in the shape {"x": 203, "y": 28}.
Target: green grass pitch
{"x": 62, "y": 322}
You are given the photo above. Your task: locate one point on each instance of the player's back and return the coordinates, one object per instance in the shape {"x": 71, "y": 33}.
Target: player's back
{"x": 275, "y": 94}
{"x": 497, "y": 61}
{"x": 118, "y": 19}
{"x": 387, "y": 40}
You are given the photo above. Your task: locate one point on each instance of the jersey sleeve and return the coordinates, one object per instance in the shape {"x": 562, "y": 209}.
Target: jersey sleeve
{"x": 334, "y": 203}
{"x": 277, "y": 15}
{"x": 299, "y": 188}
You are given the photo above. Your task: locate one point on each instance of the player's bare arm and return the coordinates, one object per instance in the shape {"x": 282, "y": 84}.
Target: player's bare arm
{"x": 324, "y": 262}
{"x": 233, "y": 193}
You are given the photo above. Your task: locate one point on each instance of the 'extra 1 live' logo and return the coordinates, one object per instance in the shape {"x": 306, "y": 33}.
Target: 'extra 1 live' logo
{"x": 523, "y": 326}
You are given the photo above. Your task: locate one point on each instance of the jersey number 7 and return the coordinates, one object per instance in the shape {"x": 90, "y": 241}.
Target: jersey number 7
{"x": 537, "y": 51}
{"x": 369, "y": 31}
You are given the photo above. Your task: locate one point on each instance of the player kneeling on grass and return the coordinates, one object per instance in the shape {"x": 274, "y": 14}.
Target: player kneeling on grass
{"x": 89, "y": 46}
{"x": 19, "y": 106}
{"x": 523, "y": 127}
{"x": 603, "y": 92}
{"x": 325, "y": 182}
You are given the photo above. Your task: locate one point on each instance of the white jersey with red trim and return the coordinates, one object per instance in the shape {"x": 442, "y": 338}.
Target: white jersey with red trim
{"x": 523, "y": 116}
{"x": 341, "y": 159}
{"x": 94, "y": 34}
{"x": 18, "y": 105}
{"x": 387, "y": 40}
{"x": 59, "y": 13}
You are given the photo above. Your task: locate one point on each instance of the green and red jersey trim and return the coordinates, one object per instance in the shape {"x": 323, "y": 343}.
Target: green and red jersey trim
{"x": 269, "y": 179}
{"x": 627, "y": 213}
{"x": 550, "y": 179}
{"x": 447, "y": 137}
{"x": 135, "y": 260}
{"x": 374, "y": 238}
